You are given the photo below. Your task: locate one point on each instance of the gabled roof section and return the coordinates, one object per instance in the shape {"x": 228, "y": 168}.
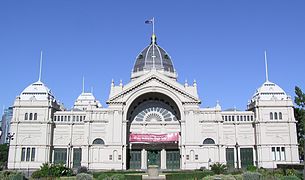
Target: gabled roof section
{"x": 162, "y": 80}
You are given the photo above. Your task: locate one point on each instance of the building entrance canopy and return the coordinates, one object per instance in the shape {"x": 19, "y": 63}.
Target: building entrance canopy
{"x": 170, "y": 137}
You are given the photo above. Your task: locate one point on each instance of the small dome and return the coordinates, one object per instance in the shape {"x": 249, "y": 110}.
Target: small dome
{"x": 85, "y": 99}
{"x": 153, "y": 57}
{"x": 269, "y": 91}
{"x": 36, "y": 91}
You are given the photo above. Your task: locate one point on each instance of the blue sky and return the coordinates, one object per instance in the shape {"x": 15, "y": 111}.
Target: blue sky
{"x": 219, "y": 43}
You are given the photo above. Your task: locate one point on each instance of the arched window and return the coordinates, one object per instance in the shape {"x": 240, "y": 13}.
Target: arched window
{"x": 271, "y": 115}
{"x": 280, "y": 115}
{"x": 208, "y": 141}
{"x": 26, "y": 116}
{"x": 115, "y": 154}
{"x": 275, "y": 115}
{"x": 98, "y": 141}
{"x": 35, "y": 116}
{"x": 31, "y": 116}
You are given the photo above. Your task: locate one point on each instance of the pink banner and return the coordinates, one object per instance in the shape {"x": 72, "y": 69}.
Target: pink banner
{"x": 171, "y": 137}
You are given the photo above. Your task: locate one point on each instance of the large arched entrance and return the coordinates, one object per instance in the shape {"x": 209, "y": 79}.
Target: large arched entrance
{"x": 153, "y": 132}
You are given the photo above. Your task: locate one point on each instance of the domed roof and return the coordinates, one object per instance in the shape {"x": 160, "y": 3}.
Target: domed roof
{"x": 153, "y": 57}
{"x": 85, "y": 99}
{"x": 270, "y": 91}
{"x": 36, "y": 91}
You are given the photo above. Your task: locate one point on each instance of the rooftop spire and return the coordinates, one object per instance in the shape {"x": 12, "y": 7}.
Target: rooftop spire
{"x": 266, "y": 66}
{"x": 40, "y": 66}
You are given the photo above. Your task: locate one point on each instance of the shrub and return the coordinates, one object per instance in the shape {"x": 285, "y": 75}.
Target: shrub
{"x": 238, "y": 177}
{"x": 222, "y": 177}
{"x": 189, "y": 175}
{"x": 102, "y": 176}
{"x": 84, "y": 176}
{"x": 82, "y": 169}
{"x": 290, "y": 178}
{"x": 218, "y": 168}
{"x": 117, "y": 177}
{"x": 235, "y": 171}
{"x": 47, "y": 170}
{"x": 16, "y": 176}
{"x": 11, "y": 175}
{"x": 252, "y": 176}
{"x": 133, "y": 177}
{"x": 290, "y": 172}
{"x": 252, "y": 168}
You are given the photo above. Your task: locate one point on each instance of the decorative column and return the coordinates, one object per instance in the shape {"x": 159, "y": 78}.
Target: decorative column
{"x": 163, "y": 159}
{"x": 143, "y": 159}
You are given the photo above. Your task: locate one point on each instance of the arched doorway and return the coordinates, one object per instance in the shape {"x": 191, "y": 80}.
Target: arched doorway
{"x": 153, "y": 132}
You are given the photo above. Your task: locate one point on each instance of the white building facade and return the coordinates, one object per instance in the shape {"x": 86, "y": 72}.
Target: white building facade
{"x": 152, "y": 120}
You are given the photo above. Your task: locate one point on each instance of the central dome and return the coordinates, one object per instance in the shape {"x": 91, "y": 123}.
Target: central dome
{"x": 153, "y": 57}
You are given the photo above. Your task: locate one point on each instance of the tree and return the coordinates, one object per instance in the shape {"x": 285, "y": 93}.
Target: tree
{"x": 299, "y": 113}
{"x": 3, "y": 155}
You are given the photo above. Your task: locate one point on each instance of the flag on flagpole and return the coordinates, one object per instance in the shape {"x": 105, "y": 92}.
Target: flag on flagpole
{"x": 149, "y": 21}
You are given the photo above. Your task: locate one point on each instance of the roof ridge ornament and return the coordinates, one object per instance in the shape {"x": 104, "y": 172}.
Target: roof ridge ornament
{"x": 153, "y": 39}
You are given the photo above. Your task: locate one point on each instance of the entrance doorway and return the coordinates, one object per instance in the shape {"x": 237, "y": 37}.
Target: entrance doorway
{"x": 246, "y": 157}
{"x": 154, "y": 157}
{"x": 172, "y": 159}
{"x": 135, "y": 159}
{"x": 230, "y": 158}
{"x": 77, "y": 157}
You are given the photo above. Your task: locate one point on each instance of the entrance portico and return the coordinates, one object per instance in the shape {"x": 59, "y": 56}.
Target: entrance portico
{"x": 165, "y": 156}
{"x": 153, "y": 132}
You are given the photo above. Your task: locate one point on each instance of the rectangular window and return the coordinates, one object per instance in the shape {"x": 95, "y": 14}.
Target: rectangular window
{"x": 22, "y": 154}
{"x": 110, "y": 157}
{"x": 241, "y": 118}
{"x": 60, "y": 155}
{"x": 251, "y": 118}
{"x": 119, "y": 157}
{"x": 33, "y": 154}
{"x": 77, "y": 157}
{"x": 196, "y": 157}
{"x": 278, "y": 155}
{"x": 237, "y": 118}
{"x": 77, "y": 118}
{"x": 73, "y": 118}
{"x": 273, "y": 154}
{"x": 65, "y": 118}
{"x": 283, "y": 154}
{"x": 69, "y": 118}
{"x": 187, "y": 157}
{"x": 28, "y": 154}
{"x": 84, "y": 118}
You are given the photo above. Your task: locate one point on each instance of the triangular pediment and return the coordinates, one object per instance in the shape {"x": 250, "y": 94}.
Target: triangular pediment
{"x": 154, "y": 80}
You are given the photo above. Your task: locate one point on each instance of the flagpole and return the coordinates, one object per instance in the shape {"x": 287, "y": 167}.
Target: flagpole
{"x": 266, "y": 66}
{"x": 153, "y": 25}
